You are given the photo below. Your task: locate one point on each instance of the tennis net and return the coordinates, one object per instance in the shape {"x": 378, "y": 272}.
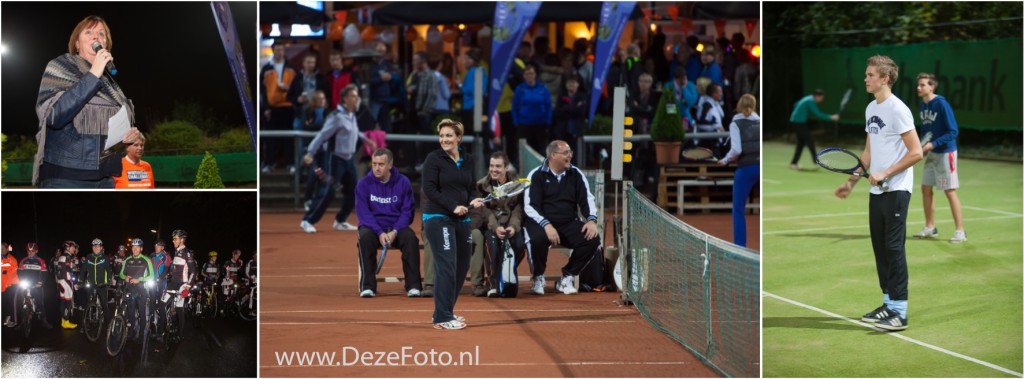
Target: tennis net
{"x": 698, "y": 289}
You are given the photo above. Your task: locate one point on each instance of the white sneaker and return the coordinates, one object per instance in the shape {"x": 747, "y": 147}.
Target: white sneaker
{"x": 538, "y": 285}
{"x": 307, "y": 227}
{"x": 306, "y": 205}
{"x": 927, "y": 232}
{"x": 343, "y": 226}
{"x": 291, "y": 169}
{"x": 413, "y": 292}
{"x": 958, "y": 237}
{"x": 367, "y": 293}
{"x": 450, "y": 325}
{"x": 566, "y": 285}
{"x": 492, "y": 293}
{"x": 267, "y": 169}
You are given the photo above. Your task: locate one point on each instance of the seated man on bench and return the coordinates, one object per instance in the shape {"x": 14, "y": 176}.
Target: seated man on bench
{"x": 558, "y": 193}
{"x": 384, "y": 205}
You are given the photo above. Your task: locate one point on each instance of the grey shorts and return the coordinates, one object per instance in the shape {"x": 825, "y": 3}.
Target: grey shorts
{"x": 940, "y": 171}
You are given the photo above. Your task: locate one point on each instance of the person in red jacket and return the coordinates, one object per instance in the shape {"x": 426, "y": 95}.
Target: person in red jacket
{"x": 10, "y": 278}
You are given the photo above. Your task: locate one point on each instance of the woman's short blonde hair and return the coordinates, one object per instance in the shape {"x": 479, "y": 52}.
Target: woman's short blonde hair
{"x": 88, "y": 22}
{"x": 747, "y": 104}
{"x": 449, "y": 123}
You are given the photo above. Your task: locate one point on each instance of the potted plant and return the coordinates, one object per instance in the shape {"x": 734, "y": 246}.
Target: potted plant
{"x": 667, "y": 129}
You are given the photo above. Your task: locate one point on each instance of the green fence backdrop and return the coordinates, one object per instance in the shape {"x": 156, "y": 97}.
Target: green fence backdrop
{"x": 234, "y": 167}
{"x": 980, "y": 79}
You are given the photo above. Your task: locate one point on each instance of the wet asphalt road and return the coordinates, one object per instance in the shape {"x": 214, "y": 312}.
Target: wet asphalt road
{"x": 219, "y": 348}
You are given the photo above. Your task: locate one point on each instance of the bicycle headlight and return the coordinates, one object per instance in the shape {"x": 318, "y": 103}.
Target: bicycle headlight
{"x": 87, "y": 285}
{"x": 25, "y": 284}
{"x": 149, "y": 284}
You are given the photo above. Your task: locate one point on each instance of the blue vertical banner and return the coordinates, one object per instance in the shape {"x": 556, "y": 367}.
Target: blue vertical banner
{"x": 236, "y": 60}
{"x": 614, "y": 15}
{"x": 511, "y": 20}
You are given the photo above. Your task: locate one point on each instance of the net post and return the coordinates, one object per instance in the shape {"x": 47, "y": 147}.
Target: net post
{"x": 625, "y": 255}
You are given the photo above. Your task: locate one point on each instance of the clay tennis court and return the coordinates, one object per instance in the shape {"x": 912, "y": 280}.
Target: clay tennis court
{"x": 310, "y": 304}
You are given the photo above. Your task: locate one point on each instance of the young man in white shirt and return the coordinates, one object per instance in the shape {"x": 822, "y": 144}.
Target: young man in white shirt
{"x": 891, "y": 150}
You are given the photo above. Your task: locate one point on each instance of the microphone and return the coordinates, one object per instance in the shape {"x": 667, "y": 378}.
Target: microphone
{"x": 96, "y": 46}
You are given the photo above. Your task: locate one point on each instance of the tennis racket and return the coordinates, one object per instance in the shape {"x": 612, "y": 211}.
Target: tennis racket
{"x": 507, "y": 190}
{"x": 927, "y": 138}
{"x": 846, "y": 99}
{"x": 383, "y": 253}
{"x": 843, "y": 161}
{"x": 700, "y": 154}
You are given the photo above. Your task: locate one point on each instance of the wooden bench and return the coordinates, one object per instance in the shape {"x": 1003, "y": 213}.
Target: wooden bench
{"x": 703, "y": 186}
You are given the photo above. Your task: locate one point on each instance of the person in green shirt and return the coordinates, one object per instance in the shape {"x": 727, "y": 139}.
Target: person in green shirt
{"x": 801, "y": 111}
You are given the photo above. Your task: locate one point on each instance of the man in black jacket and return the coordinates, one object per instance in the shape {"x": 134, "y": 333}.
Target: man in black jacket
{"x": 97, "y": 275}
{"x": 558, "y": 190}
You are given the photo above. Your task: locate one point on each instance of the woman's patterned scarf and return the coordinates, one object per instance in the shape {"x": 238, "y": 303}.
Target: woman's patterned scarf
{"x": 61, "y": 74}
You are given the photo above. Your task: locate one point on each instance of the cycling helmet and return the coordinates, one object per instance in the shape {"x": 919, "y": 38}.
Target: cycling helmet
{"x": 213, "y": 254}
{"x": 121, "y": 248}
{"x": 137, "y": 242}
{"x": 97, "y": 241}
{"x": 69, "y": 244}
{"x": 179, "y": 233}
{"x": 32, "y": 246}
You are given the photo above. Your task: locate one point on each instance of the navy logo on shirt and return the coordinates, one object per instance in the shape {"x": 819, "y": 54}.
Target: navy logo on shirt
{"x": 877, "y": 121}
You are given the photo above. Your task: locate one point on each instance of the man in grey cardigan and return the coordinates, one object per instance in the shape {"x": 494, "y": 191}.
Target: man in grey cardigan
{"x": 341, "y": 125}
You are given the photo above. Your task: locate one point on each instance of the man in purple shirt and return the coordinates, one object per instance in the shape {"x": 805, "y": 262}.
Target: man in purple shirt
{"x": 384, "y": 205}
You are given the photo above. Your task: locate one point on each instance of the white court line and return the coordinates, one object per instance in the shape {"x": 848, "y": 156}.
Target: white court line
{"x": 865, "y": 226}
{"x": 771, "y": 181}
{"x": 432, "y": 309}
{"x": 990, "y": 210}
{"x": 897, "y": 335}
{"x": 474, "y": 324}
{"x": 599, "y": 363}
{"x": 798, "y": 193}
{"x": 916, "y": 211}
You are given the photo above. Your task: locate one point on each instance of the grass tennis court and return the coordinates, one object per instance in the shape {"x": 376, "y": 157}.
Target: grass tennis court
{"x": 965, "y": 311}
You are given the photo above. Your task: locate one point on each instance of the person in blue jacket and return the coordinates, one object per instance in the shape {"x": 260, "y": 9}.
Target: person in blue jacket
{"x": 531, "y": 109}
{"x": 384, "y": 205}
{"x": 940, "y": 168}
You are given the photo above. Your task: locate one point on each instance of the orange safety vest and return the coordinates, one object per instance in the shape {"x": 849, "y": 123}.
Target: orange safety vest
{"x": 10, "y": 272}
{"x": 135, "y": 176}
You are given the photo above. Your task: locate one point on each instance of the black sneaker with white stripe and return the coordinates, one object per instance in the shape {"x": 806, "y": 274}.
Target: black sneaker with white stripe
{"x": 893, "y": 323}
{"x": 878, "y": 314}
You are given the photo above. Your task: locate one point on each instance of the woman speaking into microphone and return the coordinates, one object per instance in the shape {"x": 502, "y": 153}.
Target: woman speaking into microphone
{"x": 76, "y": 101}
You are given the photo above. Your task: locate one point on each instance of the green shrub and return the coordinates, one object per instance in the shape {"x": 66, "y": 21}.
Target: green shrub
{"x": 602, "y": 126}
{"x": 233, "y": 141}
{"x": 208, "y": 175}
{"x": 181, "y": 137}
{"x": 20, "y": 148}
{"x": 667, "y": 127}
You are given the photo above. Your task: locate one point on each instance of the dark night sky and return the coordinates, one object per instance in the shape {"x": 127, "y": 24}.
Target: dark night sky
{"x": 164, "y": 52}
{"x": 220, "y": 221}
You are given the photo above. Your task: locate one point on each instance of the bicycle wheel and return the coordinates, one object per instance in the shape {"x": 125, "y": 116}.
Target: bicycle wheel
{"x": 145, "y": 333}
{"x": 245, "y": 310}
{"x": 26, "y": 314}
{"x": 117, "y": 335}
{"x": 210, "y": 308}
{"x": 93, "y": 320}
{"x": 171, "y": 329}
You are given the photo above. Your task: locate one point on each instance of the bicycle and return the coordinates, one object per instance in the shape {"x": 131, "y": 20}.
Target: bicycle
{"x": 172, "y": 331}
{"x": 27, "y": 310}
{"x": 206, "y": 302}
{"x": 247, "y": 304}
{"x": 117, "y": 332}
{"x": 93, "y": 318}
{"x": 231, "y": 307}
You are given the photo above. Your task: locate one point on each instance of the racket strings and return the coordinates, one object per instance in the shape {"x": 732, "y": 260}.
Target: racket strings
{"x": 838, "y": 160}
